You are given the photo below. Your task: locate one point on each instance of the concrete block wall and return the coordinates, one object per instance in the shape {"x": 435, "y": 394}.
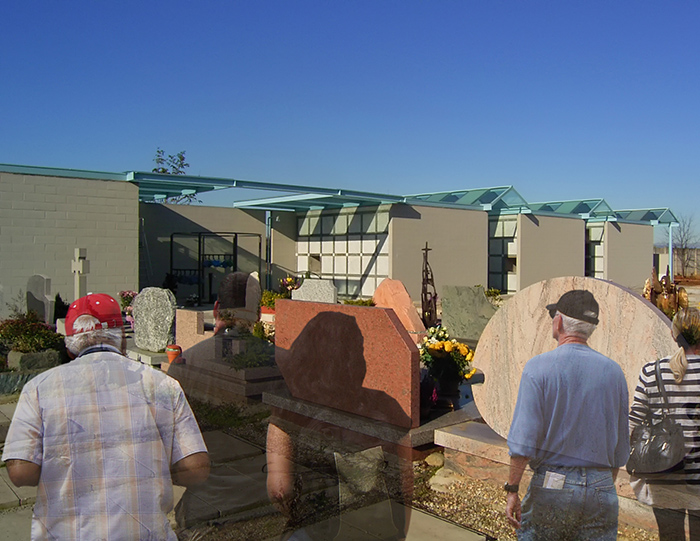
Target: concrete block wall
{"x": 43, "y": 219}
{"x": 549, "y": 247}
{"x": 458, "y": 240}
{"x": 158, "y": 221}
{"x": 629, "y": 254}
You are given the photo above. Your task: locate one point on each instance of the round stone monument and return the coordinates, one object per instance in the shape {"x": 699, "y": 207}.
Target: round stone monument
{"x": 631, "y": 332}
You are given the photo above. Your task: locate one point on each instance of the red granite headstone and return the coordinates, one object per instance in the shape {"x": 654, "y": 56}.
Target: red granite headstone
{"x": 392, "y": 294}
{"x": 352, "y": 358}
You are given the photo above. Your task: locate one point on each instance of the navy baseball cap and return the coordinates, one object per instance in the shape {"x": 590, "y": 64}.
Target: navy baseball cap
{"x": 578, "y": 304}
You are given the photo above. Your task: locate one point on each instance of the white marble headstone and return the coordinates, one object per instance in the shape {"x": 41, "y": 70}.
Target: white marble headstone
{"x": 631, "y": 331}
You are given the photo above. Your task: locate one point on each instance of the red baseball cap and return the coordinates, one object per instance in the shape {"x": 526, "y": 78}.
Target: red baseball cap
{"x": 99, "y": 305}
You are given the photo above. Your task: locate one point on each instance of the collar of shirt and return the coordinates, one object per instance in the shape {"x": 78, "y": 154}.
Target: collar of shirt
{"x": 99, "y": 347}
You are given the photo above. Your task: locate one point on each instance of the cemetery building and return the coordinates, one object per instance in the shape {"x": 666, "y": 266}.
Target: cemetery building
{"x": 131, "y": 239}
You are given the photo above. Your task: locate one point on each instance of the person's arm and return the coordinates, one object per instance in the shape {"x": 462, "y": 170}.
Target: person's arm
{"x": 517, "y": 468}
{"x": 191, "y": 470}
{"x": 23, "y": 473}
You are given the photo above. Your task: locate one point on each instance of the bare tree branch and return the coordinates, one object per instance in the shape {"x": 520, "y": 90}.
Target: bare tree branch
{"x": 685, "y": 240}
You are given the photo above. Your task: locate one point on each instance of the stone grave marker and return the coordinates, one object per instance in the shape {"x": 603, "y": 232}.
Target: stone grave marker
{"x": 316, "y": 290}
{"x": 154, "y": 318}
{"x": 631, "y": 332}
{"x": 80, "y": 266}
{"x": 392, "y": 294}
{"x": 253, "y": 293}
{"x": 355, "y": 359}
{"x": 466, "y": 311}
{"x": 39, "y": 297}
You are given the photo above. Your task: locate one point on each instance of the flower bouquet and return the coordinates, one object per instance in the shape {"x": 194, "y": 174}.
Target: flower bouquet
{"x": 126, "y": 297}
{"x": 289, "y": 284}
{"x": 446, "y": 358}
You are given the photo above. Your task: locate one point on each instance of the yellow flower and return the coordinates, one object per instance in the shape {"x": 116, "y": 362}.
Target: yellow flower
{"x": 448, "y": 346}
{"x": 470, "y": 373}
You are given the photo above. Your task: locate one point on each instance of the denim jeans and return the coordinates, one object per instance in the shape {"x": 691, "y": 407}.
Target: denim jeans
{"x": 585, "y": 508}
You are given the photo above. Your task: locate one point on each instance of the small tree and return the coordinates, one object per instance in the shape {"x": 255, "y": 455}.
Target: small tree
{"x": 685, "y": 240}
{"x": 174, "y": 164}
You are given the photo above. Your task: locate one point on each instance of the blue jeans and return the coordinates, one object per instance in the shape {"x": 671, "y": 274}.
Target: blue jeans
{"x": 585, "y": 508}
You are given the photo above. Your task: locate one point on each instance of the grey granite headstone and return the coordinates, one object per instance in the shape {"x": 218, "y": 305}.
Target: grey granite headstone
{"x": 154, "y": 319}
{"x": 316, "y": 290}
{"x": 39, "y": 296}
{"x": 2, "y": 301}
{"x": 466, "y": 311}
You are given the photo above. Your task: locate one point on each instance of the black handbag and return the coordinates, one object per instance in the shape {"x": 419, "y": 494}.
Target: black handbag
{"x": 656, "y": 447}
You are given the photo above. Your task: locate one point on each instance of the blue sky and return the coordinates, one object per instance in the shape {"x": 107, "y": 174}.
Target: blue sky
{"x": 563, "y": 100}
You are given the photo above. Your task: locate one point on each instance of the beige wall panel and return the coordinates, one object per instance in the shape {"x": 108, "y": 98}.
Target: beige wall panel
{"x": 43, "y": 219}
{"x": 284, "y": 235}
{"x": 159, "y": 221}
{"x": 629, "y": 250}
{"x": 458, "y": 240}
{"x": 549, "y": 247}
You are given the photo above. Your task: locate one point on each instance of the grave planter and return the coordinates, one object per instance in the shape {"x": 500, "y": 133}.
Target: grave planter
{"x": 38, "y": 360}
{"x": 173, "y": 351}
{"x": 267, "y": 314}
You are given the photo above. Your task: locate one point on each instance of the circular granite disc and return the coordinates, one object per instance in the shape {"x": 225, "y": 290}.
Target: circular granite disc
{"x": 631, "y": 332}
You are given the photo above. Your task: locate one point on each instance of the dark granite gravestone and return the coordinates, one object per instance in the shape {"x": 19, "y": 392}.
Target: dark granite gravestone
{"x": 154, "y": 318}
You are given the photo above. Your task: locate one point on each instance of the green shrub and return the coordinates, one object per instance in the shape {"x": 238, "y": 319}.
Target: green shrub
{"x": 360, "y": 302}
{"x": 26, "y": 333}
{"x": 268, "y": 297}
{"x": 258, "y": 352}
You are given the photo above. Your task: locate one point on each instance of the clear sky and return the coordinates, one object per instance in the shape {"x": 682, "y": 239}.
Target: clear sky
{"x": 563, "y": 100}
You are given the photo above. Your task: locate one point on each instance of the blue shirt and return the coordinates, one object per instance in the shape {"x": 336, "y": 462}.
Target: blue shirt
{"x": 571, "y": 410}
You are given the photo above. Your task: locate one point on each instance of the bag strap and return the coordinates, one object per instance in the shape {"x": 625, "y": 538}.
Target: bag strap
{"x": 660, "y": 384}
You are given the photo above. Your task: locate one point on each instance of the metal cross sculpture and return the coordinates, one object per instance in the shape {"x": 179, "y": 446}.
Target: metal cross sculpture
{"x": 428, "y": 294}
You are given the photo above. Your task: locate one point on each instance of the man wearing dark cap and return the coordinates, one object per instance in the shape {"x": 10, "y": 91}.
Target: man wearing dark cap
{"x": 570, "y": 425}
{"x": 103, "y": 437}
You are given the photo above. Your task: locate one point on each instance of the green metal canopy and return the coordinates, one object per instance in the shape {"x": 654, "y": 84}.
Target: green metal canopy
{"x": 297, "y": 198}
{"x": 660, "y": 216}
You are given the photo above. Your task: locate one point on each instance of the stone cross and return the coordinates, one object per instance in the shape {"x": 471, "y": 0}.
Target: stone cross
{"x": 80, "y": 267}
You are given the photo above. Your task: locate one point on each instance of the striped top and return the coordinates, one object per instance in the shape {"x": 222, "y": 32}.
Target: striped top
{"x": 105, "y": 431}
{"x": 679, "y": 489}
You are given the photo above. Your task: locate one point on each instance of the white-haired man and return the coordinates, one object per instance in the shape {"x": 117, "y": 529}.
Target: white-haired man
{"x": 103, "y": 437}
{"x": 570, "y": 425}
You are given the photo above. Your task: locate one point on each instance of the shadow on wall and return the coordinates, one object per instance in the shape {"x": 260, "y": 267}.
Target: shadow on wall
{"x": 159, "y": 221}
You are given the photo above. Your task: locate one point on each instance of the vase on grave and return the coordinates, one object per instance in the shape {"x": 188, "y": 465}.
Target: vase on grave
{"x": 173, "y": 351}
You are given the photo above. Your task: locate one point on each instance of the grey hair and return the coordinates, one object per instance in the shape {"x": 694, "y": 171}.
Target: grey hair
{"x": 89, "y": 334}
{"x": 571, "y": 325}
